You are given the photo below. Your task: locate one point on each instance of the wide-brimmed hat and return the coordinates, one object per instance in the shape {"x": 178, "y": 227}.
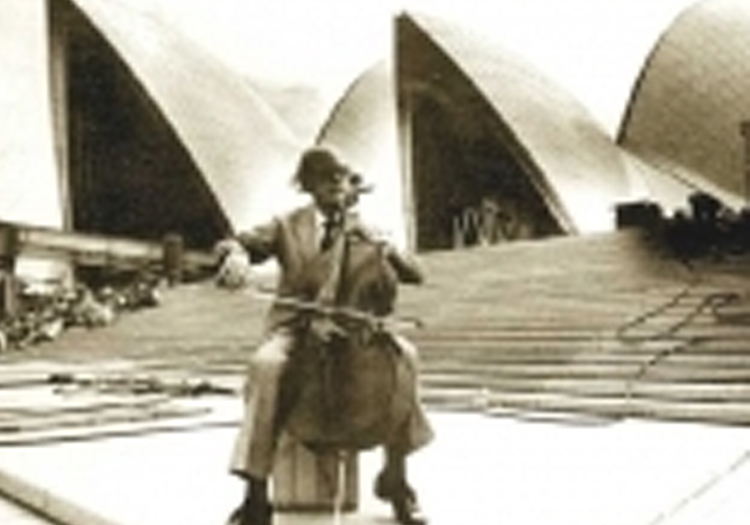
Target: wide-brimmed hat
{"x": 317, "y": 163}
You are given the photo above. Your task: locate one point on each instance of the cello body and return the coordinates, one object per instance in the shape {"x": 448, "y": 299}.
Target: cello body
{"x": 354, "y": 390}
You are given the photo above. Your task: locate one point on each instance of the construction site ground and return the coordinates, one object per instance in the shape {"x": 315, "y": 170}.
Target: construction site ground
{"x": 586, "y": 381}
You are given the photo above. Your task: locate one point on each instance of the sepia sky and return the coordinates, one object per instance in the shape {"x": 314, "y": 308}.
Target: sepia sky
{"x": 593, "y": 48}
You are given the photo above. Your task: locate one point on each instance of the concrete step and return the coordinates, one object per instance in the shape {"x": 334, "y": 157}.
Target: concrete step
{"x": 593, "y": 387}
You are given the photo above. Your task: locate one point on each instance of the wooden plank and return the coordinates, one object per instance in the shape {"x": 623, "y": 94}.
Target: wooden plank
{"x": 96, "y": 249}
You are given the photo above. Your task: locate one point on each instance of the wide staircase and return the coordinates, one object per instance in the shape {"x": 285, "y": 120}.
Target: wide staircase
{"x": 583, "y": 328}
{"x": 603, "y": 326}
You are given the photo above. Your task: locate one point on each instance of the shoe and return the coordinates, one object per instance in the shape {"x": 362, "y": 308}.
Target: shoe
{"x": 403, "y": 500}
{"x": 251, "y": 513}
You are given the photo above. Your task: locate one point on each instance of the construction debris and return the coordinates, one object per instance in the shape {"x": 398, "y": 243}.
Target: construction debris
{"x": 46, "y": 310}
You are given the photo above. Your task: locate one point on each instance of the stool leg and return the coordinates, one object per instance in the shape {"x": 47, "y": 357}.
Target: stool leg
{"x": 338, "y": 500}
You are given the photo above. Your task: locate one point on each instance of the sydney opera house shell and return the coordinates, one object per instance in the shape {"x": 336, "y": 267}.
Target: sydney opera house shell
{"x": 691, "y": 103}
{"x": 131, "y": 129}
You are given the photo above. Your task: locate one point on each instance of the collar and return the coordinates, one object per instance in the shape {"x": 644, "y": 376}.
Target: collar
{"x": 321, "y": 218}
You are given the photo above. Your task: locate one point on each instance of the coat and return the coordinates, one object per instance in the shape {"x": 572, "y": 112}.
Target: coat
{"x": 293, "y": 240}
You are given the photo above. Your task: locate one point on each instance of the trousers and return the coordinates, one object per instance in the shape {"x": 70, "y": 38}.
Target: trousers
{"x": 254, "y": 449}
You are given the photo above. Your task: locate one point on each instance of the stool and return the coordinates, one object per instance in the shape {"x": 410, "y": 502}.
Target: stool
{"x": 308, "y": 481}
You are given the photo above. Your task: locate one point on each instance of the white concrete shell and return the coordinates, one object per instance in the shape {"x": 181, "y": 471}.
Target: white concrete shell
{"x": 686, "y": 111}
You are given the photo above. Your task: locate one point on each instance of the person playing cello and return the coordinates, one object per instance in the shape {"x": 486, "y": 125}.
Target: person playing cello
{"x": 300, "y": 240}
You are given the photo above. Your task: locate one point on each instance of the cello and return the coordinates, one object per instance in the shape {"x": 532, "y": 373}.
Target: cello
{"x": 354, "y": 389}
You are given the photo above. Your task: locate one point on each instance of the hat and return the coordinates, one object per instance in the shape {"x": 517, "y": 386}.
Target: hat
{"x": 316, "y": 163}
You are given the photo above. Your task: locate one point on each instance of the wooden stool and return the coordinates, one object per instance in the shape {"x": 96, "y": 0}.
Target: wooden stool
{"x": 306, "y": 481}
